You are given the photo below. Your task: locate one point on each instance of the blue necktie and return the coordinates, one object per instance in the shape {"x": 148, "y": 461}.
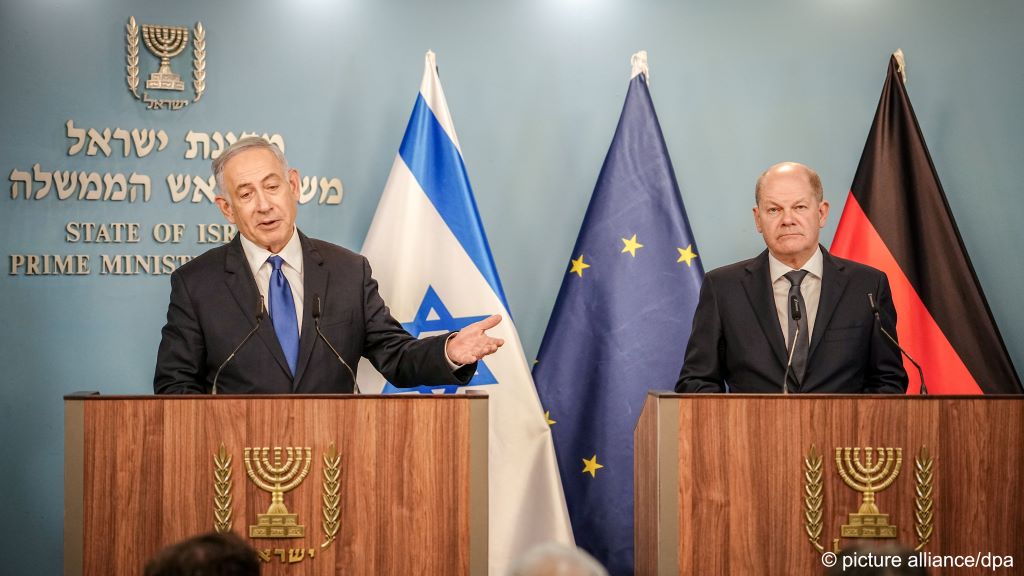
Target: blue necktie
{"x": 282, "y": 313}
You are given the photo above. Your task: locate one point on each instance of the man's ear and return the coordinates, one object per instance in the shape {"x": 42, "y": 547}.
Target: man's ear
{"x": 293, "y": 179}
{"x": 822, "y": 213}
{"x": 225, "y": 209}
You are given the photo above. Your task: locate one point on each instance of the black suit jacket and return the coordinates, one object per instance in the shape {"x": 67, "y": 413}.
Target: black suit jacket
{"x": 214, "y": 303}
{"x": 737, "y": 340}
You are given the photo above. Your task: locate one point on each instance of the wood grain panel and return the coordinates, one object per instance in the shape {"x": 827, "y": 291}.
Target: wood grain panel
{"x": 740, "y": 477}
{"x": 407, "y": 464}
{"x": 645, "y": 446}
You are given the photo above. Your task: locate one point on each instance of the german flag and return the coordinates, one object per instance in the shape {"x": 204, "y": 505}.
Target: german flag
{"x": 897, "y": 219}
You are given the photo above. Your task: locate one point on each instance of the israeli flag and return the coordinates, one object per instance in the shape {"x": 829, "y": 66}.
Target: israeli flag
{"x": 430, "y": 255}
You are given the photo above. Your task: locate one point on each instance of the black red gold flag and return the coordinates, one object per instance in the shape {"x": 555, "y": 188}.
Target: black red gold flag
{"x": 897, "y": 219}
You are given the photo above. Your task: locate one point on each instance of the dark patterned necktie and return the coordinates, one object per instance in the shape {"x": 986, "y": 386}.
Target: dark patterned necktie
{"x": 799, "y": 365}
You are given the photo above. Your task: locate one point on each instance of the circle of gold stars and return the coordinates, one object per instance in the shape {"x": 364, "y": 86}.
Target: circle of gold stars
{"x": 630, "y": 246}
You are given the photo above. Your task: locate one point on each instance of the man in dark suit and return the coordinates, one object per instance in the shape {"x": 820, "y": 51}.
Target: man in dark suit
{"x": 274, "y": 281}
{"x": 793, "y": 304}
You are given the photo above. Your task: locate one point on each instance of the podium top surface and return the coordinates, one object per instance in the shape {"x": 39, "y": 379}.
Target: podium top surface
{"x": 96, "y": 396}
{"x": 897, "y": 397}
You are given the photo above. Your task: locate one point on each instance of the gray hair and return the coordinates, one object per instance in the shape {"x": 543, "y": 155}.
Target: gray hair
{"x": 554, "y": 559}
{"x": 812, "y": 178}
{"x": 241, "y": 145}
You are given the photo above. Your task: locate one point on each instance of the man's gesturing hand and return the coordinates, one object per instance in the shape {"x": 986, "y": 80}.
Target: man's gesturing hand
{"x": 472, "y": 343}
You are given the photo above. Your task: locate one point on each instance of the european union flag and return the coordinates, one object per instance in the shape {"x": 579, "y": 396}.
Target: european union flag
{"x": 619, "y": 327}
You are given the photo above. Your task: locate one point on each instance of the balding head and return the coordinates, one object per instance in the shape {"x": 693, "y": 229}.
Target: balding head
{"x": 787, "y": 169}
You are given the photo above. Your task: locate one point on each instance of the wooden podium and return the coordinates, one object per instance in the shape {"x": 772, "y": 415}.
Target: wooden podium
{"x": 386, "y": 484}
{"x": 725, "y": 484}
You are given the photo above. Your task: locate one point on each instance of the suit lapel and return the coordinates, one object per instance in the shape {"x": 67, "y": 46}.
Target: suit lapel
{"x": 758, "y": 286}
{"x": 242, "y": 285}
{"x": 833, "y": 284}
{"x": 314, "y": 276}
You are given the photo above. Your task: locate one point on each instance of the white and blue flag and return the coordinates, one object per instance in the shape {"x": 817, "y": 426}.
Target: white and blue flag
{"x": 430, "y": 255}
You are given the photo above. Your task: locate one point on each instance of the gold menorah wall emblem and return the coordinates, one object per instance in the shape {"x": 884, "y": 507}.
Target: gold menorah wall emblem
{"x": 165, "y": 42}
{"x": 277, "y": 477}
{"x": 868, "y": 476}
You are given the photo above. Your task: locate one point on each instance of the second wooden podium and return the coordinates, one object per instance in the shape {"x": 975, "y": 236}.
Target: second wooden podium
{"x": 772, "y": 484}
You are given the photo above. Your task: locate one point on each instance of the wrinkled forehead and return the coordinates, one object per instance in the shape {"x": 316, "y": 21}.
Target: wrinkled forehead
{"x": 788, "y": 187}
{"x": 252, "y": 167}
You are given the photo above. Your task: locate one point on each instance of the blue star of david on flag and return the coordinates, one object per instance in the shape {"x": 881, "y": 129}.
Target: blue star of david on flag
{"x": 433, "y": 317}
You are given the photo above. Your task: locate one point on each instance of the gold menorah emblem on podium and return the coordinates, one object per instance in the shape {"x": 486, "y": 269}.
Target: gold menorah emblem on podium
{"x": 868, "y": 476}
{"x": 277, "y": 477}
{"x": 165, "y": 42}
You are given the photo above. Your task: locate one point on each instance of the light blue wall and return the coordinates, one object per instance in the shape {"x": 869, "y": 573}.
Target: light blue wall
{"x": 535, "y": 87}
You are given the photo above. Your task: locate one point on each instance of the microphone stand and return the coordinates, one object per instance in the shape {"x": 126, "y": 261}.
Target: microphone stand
{"x": 259, "y": 320}
{"x": 920, "y": 373}
{"x": 316, "y": 323}
{"x": 794, "y": 311}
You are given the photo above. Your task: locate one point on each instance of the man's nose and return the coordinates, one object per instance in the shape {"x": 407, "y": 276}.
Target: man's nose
{"x": 262, "y": 205}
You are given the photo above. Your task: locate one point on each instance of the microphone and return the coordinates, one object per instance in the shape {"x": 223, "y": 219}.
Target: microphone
{"x": 794, "y": 311}
{"x": 878, "y": 318}
{"x": 259, "y": 320}
{"x": 316, "y": 322}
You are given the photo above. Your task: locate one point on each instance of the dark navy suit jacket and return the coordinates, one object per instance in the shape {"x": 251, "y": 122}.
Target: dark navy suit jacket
{"x": 214, "y": 303}
{"x": 737, "y": 340}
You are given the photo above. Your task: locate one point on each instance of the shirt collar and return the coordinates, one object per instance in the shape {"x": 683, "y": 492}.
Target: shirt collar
{"x": 814, "y": 266}
{"x": 257, "y": 255}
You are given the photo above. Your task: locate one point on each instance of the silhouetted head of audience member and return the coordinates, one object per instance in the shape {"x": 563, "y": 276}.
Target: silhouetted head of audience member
{"x": 557, "y": 560}
{"x": 876, "y": 560}
{"x": 210, "y": 554}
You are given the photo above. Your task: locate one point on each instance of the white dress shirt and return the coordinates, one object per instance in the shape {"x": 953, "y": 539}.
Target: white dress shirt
{"x": 810, "y": 289}
{"x": 257, "y": 256}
